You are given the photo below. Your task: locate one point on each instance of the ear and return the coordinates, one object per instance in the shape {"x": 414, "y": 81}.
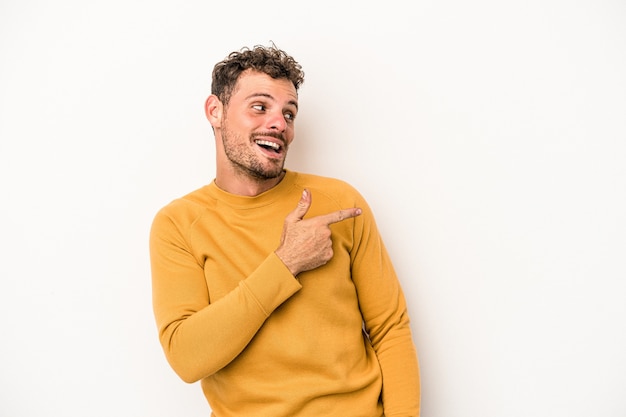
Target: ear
{"x": 213, "y": 109}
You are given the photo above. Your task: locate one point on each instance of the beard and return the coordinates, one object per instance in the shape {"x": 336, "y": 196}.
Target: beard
{"x": 246, "y": 161}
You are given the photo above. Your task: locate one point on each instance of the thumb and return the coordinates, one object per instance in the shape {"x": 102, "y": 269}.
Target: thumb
{"x": 302, "y": 208}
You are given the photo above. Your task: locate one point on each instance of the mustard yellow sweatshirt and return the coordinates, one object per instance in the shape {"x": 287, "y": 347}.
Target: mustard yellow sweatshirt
{"x": 334, "y": 341}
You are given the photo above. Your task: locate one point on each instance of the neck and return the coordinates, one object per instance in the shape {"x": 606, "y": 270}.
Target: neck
{"x": 244, "y": 185}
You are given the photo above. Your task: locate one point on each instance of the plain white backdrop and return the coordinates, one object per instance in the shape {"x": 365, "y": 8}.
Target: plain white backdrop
{"x": 489, "y": 138}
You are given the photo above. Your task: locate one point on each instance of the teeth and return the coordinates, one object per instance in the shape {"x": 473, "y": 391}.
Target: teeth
{"x": 272, "y": 145}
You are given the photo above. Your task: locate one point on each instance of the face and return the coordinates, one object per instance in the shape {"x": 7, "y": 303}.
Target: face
{"x": 257, "y": 125}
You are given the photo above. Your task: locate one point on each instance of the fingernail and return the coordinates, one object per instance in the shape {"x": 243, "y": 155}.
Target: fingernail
{"x": 304, "y": 193}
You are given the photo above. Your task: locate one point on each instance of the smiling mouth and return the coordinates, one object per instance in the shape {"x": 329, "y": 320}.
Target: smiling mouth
{"x": 270, "y": 146}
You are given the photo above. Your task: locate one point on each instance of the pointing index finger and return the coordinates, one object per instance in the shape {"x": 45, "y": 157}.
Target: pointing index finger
{"x": 340, "y": 215}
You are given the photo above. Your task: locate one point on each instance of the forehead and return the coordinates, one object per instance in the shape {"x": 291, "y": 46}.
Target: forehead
{"x": 253, "y": 83}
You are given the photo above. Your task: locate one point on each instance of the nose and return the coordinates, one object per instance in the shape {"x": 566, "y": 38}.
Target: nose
{"x": 277, "y": 121}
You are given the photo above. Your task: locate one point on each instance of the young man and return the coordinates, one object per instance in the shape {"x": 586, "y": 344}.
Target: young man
{"x": 273, "y": 288}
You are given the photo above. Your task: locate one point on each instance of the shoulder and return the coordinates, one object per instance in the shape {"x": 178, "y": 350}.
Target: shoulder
{"x": 186, "y": 209}
{"x": 328, "y": 184}
{"x": 340, "y": 191}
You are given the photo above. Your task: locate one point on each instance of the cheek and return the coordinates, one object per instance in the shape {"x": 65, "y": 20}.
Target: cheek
{"x": 290, "y": 135}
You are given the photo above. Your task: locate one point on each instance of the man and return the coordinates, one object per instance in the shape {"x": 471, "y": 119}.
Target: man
{"x": 273, "y": 288}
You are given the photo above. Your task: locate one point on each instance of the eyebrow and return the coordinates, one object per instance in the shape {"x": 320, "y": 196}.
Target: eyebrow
{"x": 253, "y": 95}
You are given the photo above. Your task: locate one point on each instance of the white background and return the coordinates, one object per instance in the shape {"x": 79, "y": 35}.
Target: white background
{"x": 489, "y": 138}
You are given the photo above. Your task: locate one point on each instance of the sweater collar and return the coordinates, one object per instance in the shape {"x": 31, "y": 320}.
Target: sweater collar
{"x": 268, "y": 197}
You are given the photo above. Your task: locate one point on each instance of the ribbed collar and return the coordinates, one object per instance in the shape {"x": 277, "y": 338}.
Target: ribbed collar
{"x": 281, "y": 190}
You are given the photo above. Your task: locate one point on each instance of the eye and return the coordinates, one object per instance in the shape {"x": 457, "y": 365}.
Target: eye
{"x": 290, "y": 116}
{"x": 259, "y": 107}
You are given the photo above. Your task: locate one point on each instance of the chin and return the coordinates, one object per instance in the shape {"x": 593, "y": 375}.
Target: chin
{"x": 273, "y": 174}
{"x": 270, "y": 174}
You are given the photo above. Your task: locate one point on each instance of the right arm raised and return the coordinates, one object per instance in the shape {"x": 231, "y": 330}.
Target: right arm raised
{"x": 199, "y": 338}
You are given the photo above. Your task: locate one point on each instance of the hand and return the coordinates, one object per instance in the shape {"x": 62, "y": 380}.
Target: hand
{"x": 306, "y": 244}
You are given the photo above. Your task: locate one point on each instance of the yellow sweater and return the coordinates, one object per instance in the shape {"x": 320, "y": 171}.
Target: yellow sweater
{"x": 335, "y": 341}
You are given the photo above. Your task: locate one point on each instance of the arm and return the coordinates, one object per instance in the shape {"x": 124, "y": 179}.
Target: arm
{"x": 386, "y": 319}
{"x": 199, "y": 338}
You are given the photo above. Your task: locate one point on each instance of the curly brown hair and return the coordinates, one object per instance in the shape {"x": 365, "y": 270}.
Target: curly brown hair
{"x": 269, "y": 60}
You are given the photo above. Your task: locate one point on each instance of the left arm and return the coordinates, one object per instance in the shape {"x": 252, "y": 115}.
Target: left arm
{"x": 386, "y": 319}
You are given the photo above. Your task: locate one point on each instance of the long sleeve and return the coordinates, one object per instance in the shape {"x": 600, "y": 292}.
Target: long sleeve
{"x": 386, "y": 319}
{"x": 199, "y": 337}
